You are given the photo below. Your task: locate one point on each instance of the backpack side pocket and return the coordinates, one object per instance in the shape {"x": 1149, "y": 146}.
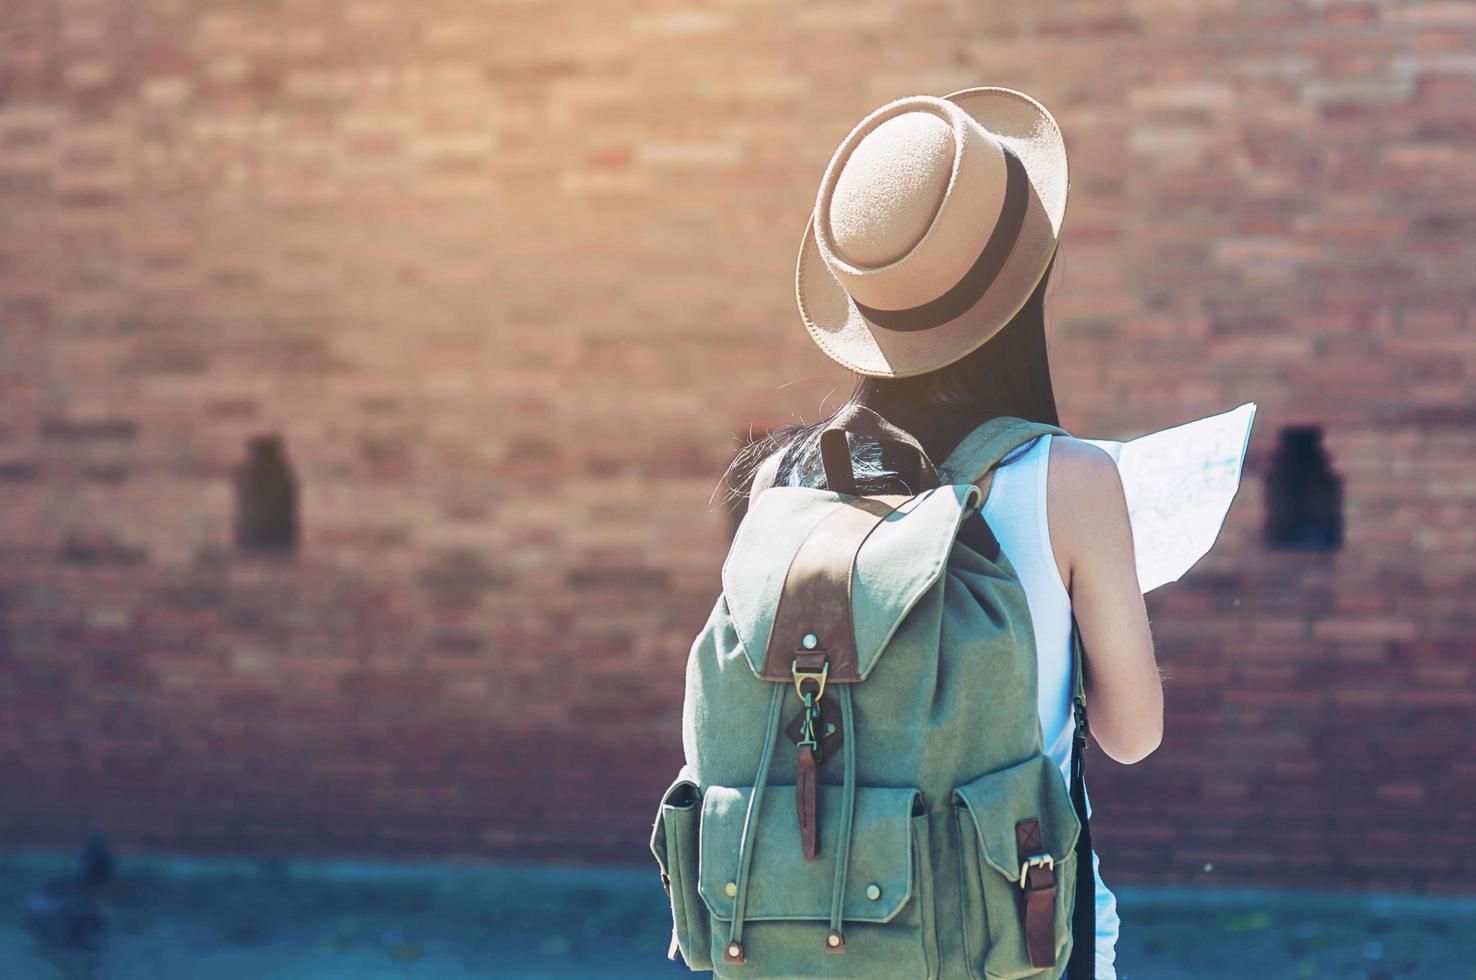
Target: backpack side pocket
{"x": 674, "y": 841}
{"x": 994, "y": 901}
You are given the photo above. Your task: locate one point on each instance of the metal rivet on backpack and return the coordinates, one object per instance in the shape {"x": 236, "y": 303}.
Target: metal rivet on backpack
{"x": 734, "y": 949}
{"x": 873, "y": 891}
{"x": 833, "y": 939}
{"x": 810, "y": 641}
{"x": 730, "y": 889}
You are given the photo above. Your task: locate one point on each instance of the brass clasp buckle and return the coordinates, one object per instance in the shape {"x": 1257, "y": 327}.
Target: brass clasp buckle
{"x": 801, "y": 675}
{"x": 1035, "y": 861}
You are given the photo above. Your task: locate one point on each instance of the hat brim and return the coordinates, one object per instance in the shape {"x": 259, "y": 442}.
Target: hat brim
{"x": 850, "y": 339}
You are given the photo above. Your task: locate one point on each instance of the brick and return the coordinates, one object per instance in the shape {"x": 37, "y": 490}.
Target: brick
{"x": 509, "y": 303}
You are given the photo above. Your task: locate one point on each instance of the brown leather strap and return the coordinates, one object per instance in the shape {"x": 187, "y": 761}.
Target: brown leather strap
{"x": 1040, "y": 896}
{"x": 835, "y": 457}
{"x": 804, "y": 799}
{"x": 816, "y": 598}
{"x": 835, "y": 453}
{"x": 810, "y": 660}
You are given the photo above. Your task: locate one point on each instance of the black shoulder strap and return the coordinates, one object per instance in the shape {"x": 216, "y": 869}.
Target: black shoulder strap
{"x": 1083, "y": 962}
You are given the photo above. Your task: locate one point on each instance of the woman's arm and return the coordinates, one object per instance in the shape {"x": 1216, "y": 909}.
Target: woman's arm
{"x": 1093, "y": 542}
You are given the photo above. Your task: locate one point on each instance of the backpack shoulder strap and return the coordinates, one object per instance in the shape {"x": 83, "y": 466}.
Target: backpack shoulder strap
{"x": 975, "y": 455}
{"x": 1082, "y": 965}
{"x": 988, "y": 443}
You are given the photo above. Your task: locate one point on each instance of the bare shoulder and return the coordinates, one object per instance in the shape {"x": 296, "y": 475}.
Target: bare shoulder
{"x": 1086, "y": 501}
{"x": 1077, "y": 460}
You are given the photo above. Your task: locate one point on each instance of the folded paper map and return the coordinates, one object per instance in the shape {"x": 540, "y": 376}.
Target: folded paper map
{"x": 1179, "y": 483}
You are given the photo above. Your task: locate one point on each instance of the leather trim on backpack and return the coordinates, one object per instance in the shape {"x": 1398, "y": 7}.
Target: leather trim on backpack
{"x": 901, "y": 558}
{"x": 1038, "y": 882}
{"x": 816, "y": 597}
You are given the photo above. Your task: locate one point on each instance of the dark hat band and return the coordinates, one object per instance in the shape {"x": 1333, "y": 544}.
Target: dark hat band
{"x": 986, "y": 268}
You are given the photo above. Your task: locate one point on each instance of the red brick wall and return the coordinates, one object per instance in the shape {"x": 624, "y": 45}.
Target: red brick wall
{"x": 509, "y": 278}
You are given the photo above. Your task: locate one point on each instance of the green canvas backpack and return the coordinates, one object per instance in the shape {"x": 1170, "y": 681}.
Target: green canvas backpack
{"x": 865, "y": 792}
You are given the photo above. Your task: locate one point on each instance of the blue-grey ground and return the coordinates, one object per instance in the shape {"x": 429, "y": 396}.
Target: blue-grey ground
{"x": 219, "y": 920}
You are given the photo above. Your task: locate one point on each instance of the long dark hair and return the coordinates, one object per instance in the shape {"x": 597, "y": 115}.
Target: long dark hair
{"x": 1008, "y": 375}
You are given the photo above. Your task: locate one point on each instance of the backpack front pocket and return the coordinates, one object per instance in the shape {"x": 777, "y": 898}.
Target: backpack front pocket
{"x": 1014, "y": 820}
{"x": 887, "y": 898}
{"x": 674, "y": 841}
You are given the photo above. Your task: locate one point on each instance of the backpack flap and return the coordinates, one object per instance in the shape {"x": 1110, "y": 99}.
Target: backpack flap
{"x": 1031, "y": 790}
{"x": 904, "y": 554}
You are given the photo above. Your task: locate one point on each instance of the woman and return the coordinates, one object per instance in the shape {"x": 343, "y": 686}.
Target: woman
{"x": 940, "y": 313}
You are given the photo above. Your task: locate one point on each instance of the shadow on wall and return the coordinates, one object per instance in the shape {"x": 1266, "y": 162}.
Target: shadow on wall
{"x": 266, "y": 498}
{"x": 1304, "y": 497}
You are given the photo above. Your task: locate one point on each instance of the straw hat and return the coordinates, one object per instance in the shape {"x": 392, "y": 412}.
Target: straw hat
{"x": 935, "y": 220}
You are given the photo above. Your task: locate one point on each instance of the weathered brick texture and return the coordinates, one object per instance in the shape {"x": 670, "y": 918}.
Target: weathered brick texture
{"x": 510, "y": 278}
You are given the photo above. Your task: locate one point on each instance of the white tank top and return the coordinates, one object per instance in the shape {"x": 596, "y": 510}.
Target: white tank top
{"x": 1016, "y": 512}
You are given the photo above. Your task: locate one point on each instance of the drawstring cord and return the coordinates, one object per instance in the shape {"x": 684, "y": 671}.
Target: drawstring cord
{"x": 734, "y": 950}
{"x": 835, "y": 940}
